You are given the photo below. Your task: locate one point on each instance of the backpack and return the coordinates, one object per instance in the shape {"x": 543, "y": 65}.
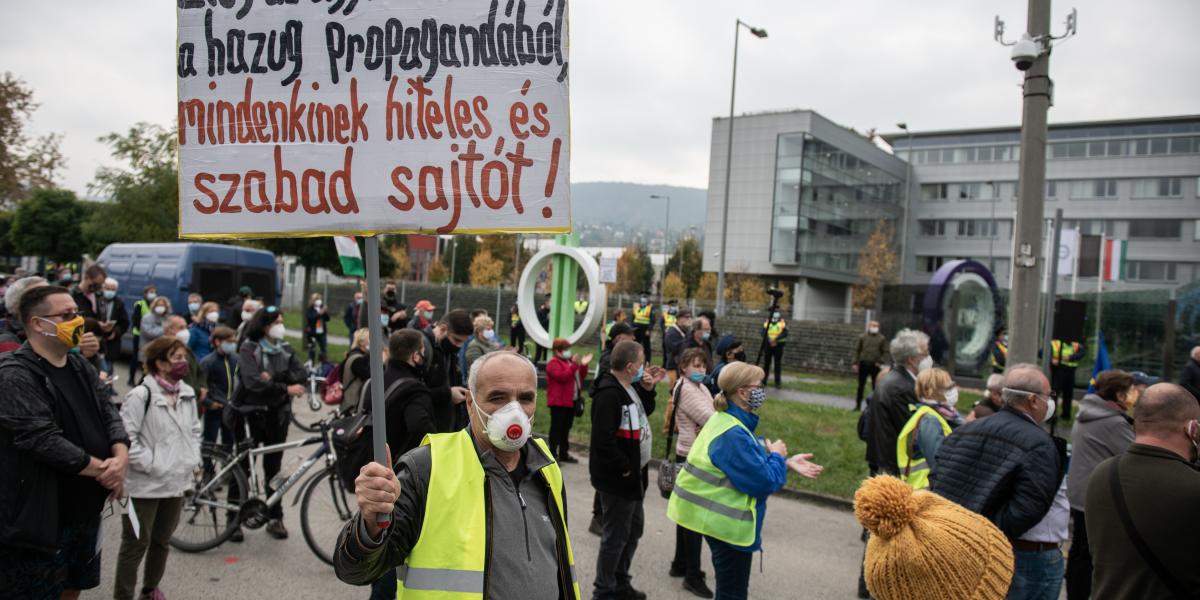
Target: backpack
{"x": 353, "y": 434}
{"x": 333, "y": 386}
{"x": 864, "y": 421}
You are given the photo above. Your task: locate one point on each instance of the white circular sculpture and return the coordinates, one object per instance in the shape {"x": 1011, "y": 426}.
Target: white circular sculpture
{"x": 526, "y": 289}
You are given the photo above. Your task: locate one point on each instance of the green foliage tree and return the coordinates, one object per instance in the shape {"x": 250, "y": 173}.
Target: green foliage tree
{"x": 48, "y": 224}
{"x": 25, "y": 163}
{"x": 143, "y": 196}
{"x": 686, "y": 261}
{"x": 462, "y": 250}
{"x": 634, "y": 270}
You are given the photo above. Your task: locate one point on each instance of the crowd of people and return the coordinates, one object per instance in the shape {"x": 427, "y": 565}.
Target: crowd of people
{"x": 982, "y": 504}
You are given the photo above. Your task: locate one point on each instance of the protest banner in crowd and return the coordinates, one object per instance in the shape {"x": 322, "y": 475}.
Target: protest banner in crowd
{"x": 341, "y": 117}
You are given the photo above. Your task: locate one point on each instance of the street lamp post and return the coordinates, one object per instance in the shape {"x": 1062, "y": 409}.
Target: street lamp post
{"x": 992, "y": 231}
{"x": 907, "y": 202}
{"x": 759, "y": 33}
{"x": 667, "y": 235}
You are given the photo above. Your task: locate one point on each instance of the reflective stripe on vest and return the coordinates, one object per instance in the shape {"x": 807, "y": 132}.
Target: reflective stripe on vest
{"x": 915, "y": 471}
{"x": 704, "y": 500}
{"x": 447, "y": 561}
{"x": 774, "y": 329}
{"x": 669, "y": 317}
{"x": 1003, "y": 352}
{"x": 1067, "y": 356}
{"x": 641, "y": 314}
{"x": 581, "y": 306}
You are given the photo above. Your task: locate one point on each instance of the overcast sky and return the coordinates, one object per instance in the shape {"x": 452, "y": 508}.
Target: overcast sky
{"x": 647, "y": 76}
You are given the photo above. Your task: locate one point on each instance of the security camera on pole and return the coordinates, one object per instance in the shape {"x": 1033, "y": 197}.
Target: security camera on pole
{"x": 1031, "y": 54}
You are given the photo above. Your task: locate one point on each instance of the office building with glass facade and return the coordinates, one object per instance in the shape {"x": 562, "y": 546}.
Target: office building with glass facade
{"x": 1135, "y": 179}
{"x": 805, "y": 195}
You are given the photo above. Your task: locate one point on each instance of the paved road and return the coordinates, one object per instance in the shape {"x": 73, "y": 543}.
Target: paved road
{"x": 811, "y": 552}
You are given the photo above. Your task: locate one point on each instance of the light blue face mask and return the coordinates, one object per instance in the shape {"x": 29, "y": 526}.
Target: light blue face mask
{"x": 109, "y": 294}
{"x": 696, "y": 376}
{"x": 706, "y": 335}
{"x": 566, "y": 354}
{"x": 229, "y": 347}
{"x": 640, "y": 373}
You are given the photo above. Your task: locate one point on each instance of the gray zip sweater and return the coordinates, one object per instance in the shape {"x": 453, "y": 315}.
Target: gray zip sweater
{"x": 1101, "y": 431}
{"x": 523, "y": 556}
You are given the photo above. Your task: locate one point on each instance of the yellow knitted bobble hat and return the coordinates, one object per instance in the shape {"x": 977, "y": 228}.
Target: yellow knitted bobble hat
{"x": 925, "y": 547}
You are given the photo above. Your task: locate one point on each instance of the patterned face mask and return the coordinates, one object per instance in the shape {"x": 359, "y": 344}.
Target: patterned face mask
{"x": 757, "y": 397}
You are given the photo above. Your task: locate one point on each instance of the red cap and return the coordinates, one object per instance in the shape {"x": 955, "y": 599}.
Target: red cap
{"x": 425, "y": 305}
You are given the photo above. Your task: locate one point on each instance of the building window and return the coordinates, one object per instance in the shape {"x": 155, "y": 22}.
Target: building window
{"x": 1162, "y": 187}
{"x": 1150, "y": 270}
{"x": 1091, "y": 226}
{"x": 1184, "y": 145}
{"x": 1051, "y": 189}
{"x": 933, "y": 263}
{"x": 935, "y": 191}
{"x": 932, "y": 228}
{"x": 976, "y": 228}
{"x": 1093, "y": 188}
{"x": 1154, "y": 228}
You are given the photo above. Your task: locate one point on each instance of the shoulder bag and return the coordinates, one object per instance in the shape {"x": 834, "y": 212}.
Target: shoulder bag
{"x": 1135, "y": 537}
{"x": 668, "y": 468}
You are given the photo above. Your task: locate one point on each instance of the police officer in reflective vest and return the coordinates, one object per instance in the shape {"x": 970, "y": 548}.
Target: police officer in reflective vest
{"x": 670, "y": 314}
{"x": 774, "y": 335}
{"x": 643, "y": 322}
{"x": 141, "y": 307}
{"x": 1064, "y": 358}
{"x": 999, "y": 354}
{"x": 473, "y": 514}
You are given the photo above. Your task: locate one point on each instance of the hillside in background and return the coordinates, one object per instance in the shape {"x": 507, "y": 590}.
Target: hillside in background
{"x": 629, "y": 205}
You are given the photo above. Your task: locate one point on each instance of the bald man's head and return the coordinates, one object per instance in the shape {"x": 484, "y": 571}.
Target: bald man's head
{"x": 1164, "y": 409}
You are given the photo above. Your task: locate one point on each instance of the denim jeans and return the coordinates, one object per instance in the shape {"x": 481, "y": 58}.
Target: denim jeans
{"x": 622, "y": 521}
{"x": 1036, "y": 575}
{"x": 731, "y": 568}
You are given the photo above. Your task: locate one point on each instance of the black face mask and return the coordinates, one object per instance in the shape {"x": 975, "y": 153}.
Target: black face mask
{"x": 740, "y": 356}
{"x": 390, "y": 293}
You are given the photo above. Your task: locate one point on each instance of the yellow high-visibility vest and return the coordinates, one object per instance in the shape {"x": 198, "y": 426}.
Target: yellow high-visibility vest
{"x": 642, "y": 314}
{"x": 448, "y": 561}
{"x": 581, "y": 306}
{"x": 704, "y": 500}
{"x": 774, "y": 329}
{"x": 669, "y": 317}
{"x": 1065, "y": 355}
{"x": 915, "y": 472}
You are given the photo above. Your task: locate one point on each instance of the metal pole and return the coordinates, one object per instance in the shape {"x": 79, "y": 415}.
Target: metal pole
{"x": 728, "y": 175}
{"x": 992, "y": 233}
{"x": 499, "y": 289}
{"x": 453, "y": 264}
{"x": 907, "y": 204}
{"x": 1030, "y": 200}
{"x": 1075, "y": 259}
{"x": 667, "y": 237}
{"x": 1100, "y": 289}
{"x": 378, "y": 417}
{"x": 1051, "y": 292}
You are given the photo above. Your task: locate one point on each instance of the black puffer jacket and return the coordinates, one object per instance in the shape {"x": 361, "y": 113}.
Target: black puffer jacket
{"x": 888, "y": 412}
{"x": 1004, "y": 467}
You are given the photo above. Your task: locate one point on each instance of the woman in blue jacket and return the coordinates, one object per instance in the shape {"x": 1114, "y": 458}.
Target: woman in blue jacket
{"x": 722, "y": 490}
{"x": 201, "y": 329}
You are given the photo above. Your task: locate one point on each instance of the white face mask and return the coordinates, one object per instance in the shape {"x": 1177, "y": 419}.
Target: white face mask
{"x": 489, "y": 334}
{"x": 277, "y": 331}
{"x": 873, "y": 330}
{"x": 926, "y": 363}
{"x": 160, "y": 310}
{"x": 1049, "y": 409}
{"x": 247, "y": 315}
{"x": 212, "y": 317}
{"x": 508, "y": 428}
{"x": 951, "y": 397}
{"x": 183, "y": 335}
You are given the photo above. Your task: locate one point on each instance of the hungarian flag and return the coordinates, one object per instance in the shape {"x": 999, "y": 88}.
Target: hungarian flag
{"x": 1113, "y": 265}
{"x": 352, "y": 262}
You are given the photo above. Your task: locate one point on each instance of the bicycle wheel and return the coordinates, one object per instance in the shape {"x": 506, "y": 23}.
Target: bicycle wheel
{"x": 324, "y": 511}
{"x": 210, "y": 508}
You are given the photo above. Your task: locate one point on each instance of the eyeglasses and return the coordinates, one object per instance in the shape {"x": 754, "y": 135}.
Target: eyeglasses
{"x": 69, "y": 315}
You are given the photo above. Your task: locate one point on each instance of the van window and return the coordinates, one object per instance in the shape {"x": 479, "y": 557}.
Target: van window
{"x": 214, "y": 282}
{"x": 164, "y": 271}
{"x": 117, "y": 268}
{"x": 142, "y": 269}
{"x": 261, "y": 281}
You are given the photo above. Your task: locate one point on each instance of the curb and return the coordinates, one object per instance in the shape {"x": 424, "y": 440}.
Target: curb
{"x": 791, "y": 493}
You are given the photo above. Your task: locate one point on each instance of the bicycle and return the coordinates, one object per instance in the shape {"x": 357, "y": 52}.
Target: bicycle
{"x": 314, "y": 397}
{"x": 207, "y": 521}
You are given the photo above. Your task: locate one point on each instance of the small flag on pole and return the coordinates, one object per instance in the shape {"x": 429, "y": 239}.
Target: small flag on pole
{"x": 1102, "y": 363}
{"x": 348, "y": 253}
{"x": 1115, "y": 253}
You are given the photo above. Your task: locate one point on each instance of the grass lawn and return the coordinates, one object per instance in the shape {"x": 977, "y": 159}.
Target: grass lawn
{"x": 828, "y": 433}
{"x": 336, "y": 352}
{"x": 846, "y": 387}
{"x": 294, "y": 319}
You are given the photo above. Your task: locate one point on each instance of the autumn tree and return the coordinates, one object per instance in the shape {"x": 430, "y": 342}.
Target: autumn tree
{"x": 504, "y": 248}
{"x": 686, "y": 261}
{"x": 486, "y": 270}
{"x": 461, "y": 249}
{"x": 877, "y": 266}
{"x": 438, "y": 273}
{"x": 142, "y": 195}
{"x": 25, "y": 163}
{"x": 673, "y": 287}
{"x": 634, "y": 271}
{"x": 403, "y": 265}
{"x": 751, "y": 291}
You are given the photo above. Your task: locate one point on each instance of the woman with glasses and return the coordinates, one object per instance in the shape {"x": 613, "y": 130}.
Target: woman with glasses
{"x": 161, "y": 419}
{"x": 270, "y": 376}
{"x": 722, "y": 490}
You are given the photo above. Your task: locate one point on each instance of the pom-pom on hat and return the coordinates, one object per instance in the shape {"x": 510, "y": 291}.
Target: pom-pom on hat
{"x": 925, "y": 547}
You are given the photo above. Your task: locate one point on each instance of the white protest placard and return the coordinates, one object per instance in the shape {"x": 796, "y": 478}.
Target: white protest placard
{"x": 356, "y": 117}
{"x": 608, "y": 269}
